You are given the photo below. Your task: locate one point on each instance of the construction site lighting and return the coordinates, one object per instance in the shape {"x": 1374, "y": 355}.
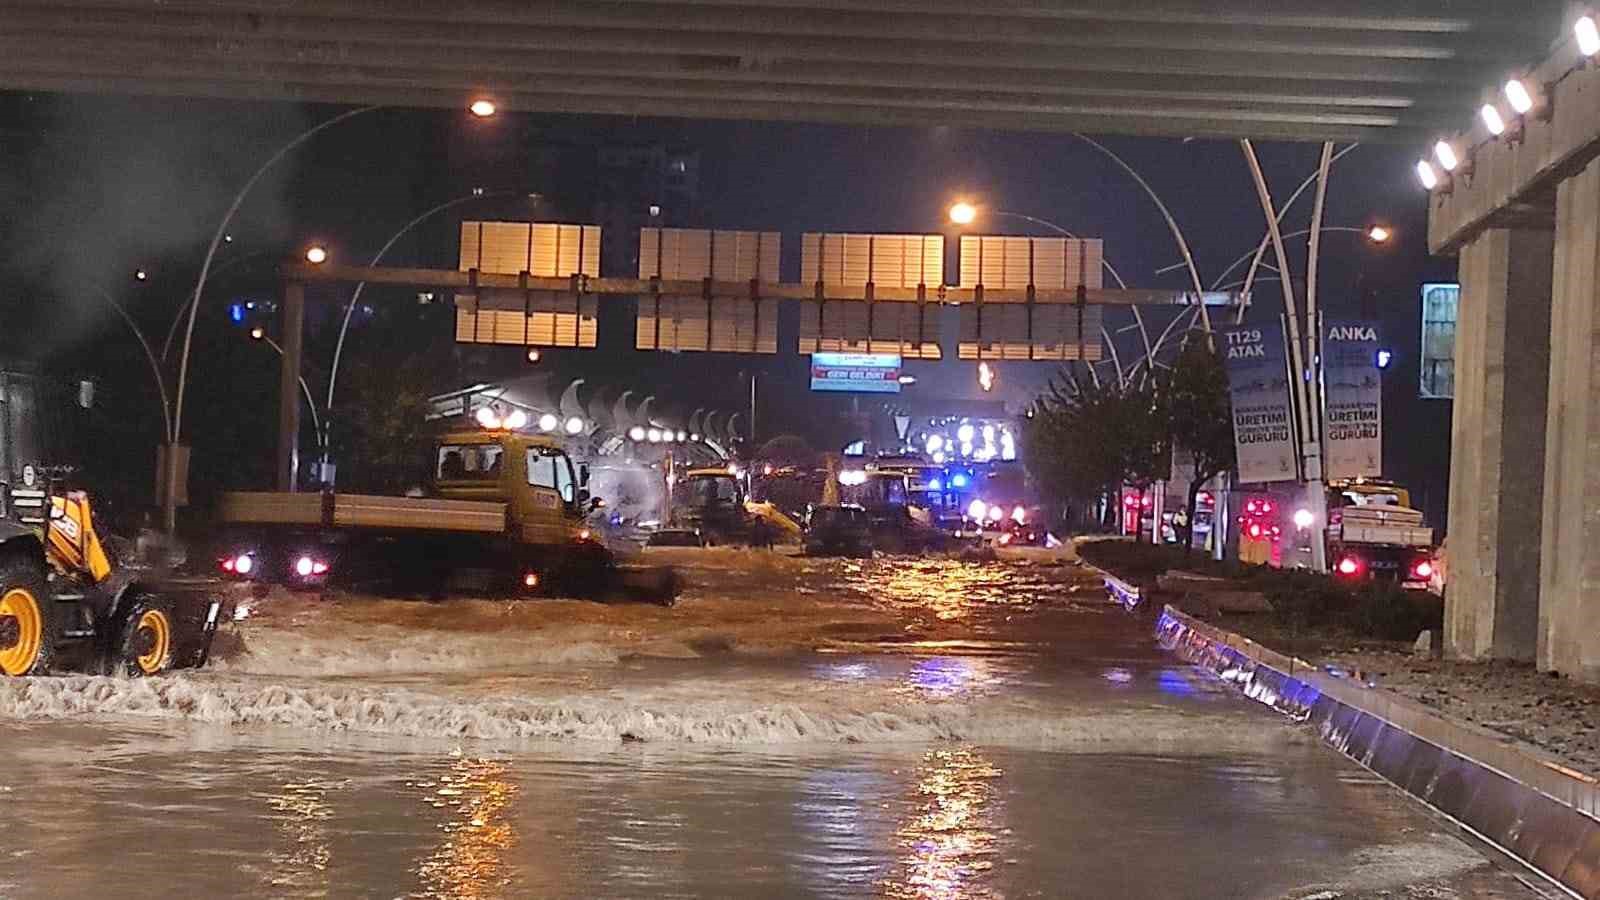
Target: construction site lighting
{"x": 483, "y": 108}
{"x": 316, "y": 254}
{"x": 963, "y": 213}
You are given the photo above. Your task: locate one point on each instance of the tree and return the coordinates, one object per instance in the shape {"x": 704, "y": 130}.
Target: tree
{"x": 1199, "y": 418}
{"x": 1086, "y": 438}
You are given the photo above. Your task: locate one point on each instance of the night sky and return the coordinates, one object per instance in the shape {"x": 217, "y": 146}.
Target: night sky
{"x": 92, "y": 188}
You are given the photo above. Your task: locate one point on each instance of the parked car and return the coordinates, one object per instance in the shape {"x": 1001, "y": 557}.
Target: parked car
{"x": 839, "y": 530}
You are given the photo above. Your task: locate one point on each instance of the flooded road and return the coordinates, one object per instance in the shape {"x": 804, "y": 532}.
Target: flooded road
{"x": 815, "y": 729}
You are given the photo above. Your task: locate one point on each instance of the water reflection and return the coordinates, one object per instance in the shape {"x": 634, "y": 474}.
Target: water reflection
{"x": 302, "y": 814}
{"x": 951, "y": 839}
{"x": 949, "y": 590}
{"x": 948, "y": 677}
{"x": 470, "y": 862}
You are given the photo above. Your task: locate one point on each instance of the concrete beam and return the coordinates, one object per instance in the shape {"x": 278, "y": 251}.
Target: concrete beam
{"x": 453, "y": 278}
{"x": 1515, "y": 175}
{"x": 1498, "y": 445}
{"x": 1569, "y": 642}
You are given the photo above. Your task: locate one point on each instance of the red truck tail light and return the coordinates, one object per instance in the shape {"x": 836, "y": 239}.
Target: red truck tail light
{"x": 1423, "y": 569}
{"x": 1349, "y": 566}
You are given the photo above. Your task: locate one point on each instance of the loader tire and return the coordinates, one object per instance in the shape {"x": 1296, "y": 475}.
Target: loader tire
{"x": 146, "y": 640}
{"x": 27, "y": 619}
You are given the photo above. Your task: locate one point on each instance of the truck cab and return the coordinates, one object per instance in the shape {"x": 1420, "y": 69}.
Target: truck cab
{"x": 544, "y": 493}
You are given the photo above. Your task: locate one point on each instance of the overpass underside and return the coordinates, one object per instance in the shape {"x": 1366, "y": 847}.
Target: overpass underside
{"x": 1292, "y": 69}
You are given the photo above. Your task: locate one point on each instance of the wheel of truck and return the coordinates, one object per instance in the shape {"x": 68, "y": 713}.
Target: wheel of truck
{"x": 145, "y": 643}
{"x": 27, "y": 620}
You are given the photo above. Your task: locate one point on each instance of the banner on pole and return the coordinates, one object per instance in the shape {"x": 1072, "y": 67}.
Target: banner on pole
{"x": 1258, "y": 383}
{"x": 1353, "y": 406}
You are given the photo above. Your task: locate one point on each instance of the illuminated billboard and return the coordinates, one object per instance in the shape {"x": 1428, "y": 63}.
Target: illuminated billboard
{"x": 1439, "y": 302}
{"x": 865, "y": 373}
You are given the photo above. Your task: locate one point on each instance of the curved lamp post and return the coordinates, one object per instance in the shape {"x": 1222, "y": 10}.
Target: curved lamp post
{"x": 305, "y": 389}
{"x": 964, "y": 213}
{"x": 355, "y": 297}
{"x": 481, "y": 107}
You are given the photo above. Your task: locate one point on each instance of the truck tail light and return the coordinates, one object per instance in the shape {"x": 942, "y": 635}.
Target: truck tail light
{"x": 1349, "y": 566}
{"x": 1423, "y": 569}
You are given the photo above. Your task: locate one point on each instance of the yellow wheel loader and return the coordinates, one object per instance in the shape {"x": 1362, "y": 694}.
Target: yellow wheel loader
{"x": 63, "y": 599}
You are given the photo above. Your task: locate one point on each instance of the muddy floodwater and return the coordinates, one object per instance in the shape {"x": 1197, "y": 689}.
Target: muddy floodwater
{"x": 793, "y": 728}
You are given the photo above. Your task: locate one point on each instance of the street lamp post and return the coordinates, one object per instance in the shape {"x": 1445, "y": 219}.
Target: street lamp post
{"x": 326, "y": 441}
{"x": 965, "y": 213}
{"x": 144, "y": 344}
{"x": 481, "y": 107}
{"x": 260, "y": 334}
{"x": 169, "y": 500}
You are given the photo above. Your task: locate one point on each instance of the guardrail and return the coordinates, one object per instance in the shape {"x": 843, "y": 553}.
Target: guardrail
{"x": 1528, "y": 806}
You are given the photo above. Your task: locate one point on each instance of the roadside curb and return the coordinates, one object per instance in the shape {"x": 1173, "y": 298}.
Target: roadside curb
{"x": 1528, "y": 806}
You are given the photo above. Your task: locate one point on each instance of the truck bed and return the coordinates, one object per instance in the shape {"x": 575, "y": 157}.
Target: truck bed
{"x": 1394, "y": 525}
{"x": 365, "y": 511}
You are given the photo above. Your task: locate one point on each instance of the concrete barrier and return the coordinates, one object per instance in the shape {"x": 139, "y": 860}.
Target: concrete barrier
{"x": 1524, "y": 803}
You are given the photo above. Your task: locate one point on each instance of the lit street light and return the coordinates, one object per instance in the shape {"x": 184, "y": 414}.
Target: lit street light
{"x": 482, "y": 108}
{"x": 1378, "y": 234}
{"x": 169, "y": 500}
{"x": 259, "y": 333}
{"x": 316, "y": 254}
{"x": 963, "y": 213}
{"x": 140, "y": 275}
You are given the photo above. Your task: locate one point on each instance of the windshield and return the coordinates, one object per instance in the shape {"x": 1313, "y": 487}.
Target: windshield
{"x": 833, "y": 516}
{"x": 468, "y": 462}
{"x": 714, "y": 490}
{"x": 550, "y": 468}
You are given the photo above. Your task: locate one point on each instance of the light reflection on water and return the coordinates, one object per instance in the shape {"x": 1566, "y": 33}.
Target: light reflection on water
{"x": 954, "y": 591}
{"x": 301, "y": 867}
{"x": 469, "y": 862}
{"x": 950, "y": 841}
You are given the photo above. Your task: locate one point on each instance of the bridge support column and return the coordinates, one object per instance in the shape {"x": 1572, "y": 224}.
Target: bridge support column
{"x": 1569, "y": 640}
{"x": 1498, "y": 445}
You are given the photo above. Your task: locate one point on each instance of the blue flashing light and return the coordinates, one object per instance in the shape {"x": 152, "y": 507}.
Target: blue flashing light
{"x": 935, "y": 485}
{"x": 236, "y": 312}
{"x": 1384, "y": 358}
{"x": 959, "y": 481}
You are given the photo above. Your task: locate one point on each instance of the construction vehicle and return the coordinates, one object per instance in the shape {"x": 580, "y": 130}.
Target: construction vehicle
{"x": 506, "y": 511}
{"x": 897, "y": 527}
{"x": 64, "y": 598}
{"x": 709, "y": 506}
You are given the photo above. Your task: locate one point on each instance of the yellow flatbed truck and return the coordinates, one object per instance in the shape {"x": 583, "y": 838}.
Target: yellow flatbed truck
{"x": 506, "y": 512}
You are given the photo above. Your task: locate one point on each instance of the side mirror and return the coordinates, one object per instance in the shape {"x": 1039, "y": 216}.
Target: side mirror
{"x": 583, "y": 474}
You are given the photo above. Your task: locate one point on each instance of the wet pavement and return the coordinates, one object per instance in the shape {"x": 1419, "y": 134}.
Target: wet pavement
{"x": 894, "y": 728}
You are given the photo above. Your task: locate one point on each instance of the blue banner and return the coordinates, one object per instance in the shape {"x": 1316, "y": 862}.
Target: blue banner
{"x": 1258, "y": 382}
{"x": 1352, "y": 431}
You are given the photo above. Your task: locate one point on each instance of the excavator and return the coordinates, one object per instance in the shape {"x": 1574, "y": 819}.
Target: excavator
{"x": 63, "y": 597}
{"x": 710, "y": 506}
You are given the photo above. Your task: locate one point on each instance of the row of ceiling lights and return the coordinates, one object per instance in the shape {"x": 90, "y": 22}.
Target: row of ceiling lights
{"x": 1521, "y": 97}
